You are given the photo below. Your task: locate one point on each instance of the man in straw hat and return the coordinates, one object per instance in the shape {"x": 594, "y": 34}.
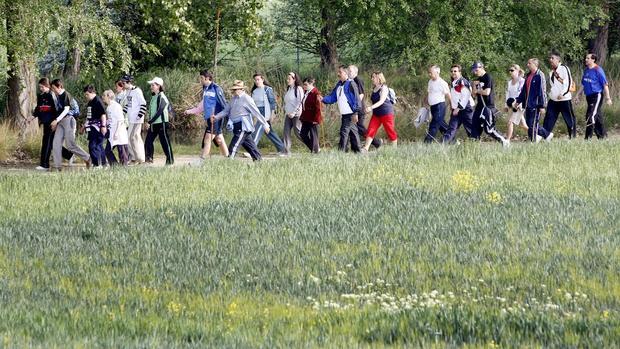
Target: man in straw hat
{"x": 240, "y": 111}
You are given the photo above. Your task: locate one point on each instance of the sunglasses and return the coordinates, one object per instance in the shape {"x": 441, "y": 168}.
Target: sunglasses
{"x": 511, "y": 70}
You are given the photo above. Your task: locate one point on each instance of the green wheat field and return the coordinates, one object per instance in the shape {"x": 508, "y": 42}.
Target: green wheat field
{"x": 421, "y": 246}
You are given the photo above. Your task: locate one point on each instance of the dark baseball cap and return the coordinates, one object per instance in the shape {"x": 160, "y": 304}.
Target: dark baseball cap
{"x": 477, "y": 65}
{"x": 127, "y": 78}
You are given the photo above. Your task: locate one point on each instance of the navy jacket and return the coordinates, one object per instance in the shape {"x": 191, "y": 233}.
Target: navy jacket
{"x": 535, "y": 97}
{"x": 350, "y": 91}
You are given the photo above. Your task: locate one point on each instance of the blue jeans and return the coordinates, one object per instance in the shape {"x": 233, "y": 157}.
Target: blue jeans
{"x": 532, "y": 119}
{"x": 95, "y": 148}
{"x": 438, "y": 122}
{"x": 272, "y": 135}
{"x": 464, "y": 117}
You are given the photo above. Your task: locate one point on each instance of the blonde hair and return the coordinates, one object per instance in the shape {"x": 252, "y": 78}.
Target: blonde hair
{"x": 518, "y": 68}
{"x": 380, "y": 76}
{"x": 109, "y": 94}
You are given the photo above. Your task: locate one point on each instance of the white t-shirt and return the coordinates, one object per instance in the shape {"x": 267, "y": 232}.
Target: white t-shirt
{"x": 343, "y": 103}
{"x": 437, "y": 90}
{"x": 513, "y": 90}
{"x": 116, "y": 120}
{"x": 292, "y": 103}
{"x": 560, "y": 91}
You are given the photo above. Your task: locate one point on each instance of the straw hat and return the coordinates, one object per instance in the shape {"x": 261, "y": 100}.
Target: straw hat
{"x": 238, "y": 85}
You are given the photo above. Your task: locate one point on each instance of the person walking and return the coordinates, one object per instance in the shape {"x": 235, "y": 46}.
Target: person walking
{"x": 265, "y": 100}
{"x": 135, "y": 109}
{"x": 560, "y": 96}
{"x": 361, "y": 122}
{"x": 437, "y": 92}
{"x": 292, "y": 109}
{"x": 46, "y": 112}
{"x": 345, "y": 94}
{"x": 382, "y": 110}
{"x": 117, "y": 131}
{"x": 311, "y": 116}
{"x": 533, "y": 98}
{"x": 65, "y": 125}
{"x": 594, "y": 85}
{"x": 484, "y": 114}
{"x": 95, "y": 126}
{"x": 213, "y": 102}
{"x": 461, "y": 103}
{"x": 240, "y": 111}
{"x": 158, "y": 123}
{"x": 513, "y": 89}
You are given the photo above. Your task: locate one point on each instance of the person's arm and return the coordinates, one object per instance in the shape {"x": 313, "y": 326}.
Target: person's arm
{"x": 541, "y": 102}
{"x": 104, "y": 119}
{"x": 251, "y": 108}
{"x": 272, "y": 100}
{"x": 331, "y": 98}
{"x": 519, "y": 100}
{"x": 142, "y": 101}
{"x": 607, "y": 95}
{"x": 356, "y": 107}
{"x": 198, "y": 109}
{"x": 221, "y": 100}
{"x": 298, "y": 100}
{"x": 224, "y": 113}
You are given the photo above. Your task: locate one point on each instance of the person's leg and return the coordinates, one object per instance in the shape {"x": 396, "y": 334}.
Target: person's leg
{"x": 509, "y": 129}
{"x": 46, "y": 145}
{"x": 433, "y": 127}
{"x": 289, "y": 123}
{"x": 69, "y": 125}
{"x": 529, "y": 120}
{"x": 57, "y": 147}
{"x": 593, "y": 102}
{"x": 373, "y": 127}
{"x": 569, "y": 119}
{"x": 442, "y": 125}
{"x": 236, "y": 140}
{"x": 551, "y": 117}
{"x": 275, "y": 139}
{"x": 109, "y": 153}
{"x": 388, "y": 125}
{"x": 476, "y": 122}
{"x": 356, "y": 144}
{"x": 490, "y": 129}
{"x": 164, "y": 140}
{"x": 123, "y": 156}
{"x": 149, "y": 149}
{"x": 453, "y": 126}
{"x": 250, "y": 146}
{"x": 259, "y": 129}
{"x": 305, "y": 134}
{"x": 132, "y": 142}
{"x": 100, "y": 148}
{"x": 206, "y": 141}
{"x": 599, "y": 127}
{"x": 345, "y": 125}
{"x": 314, "y": 138}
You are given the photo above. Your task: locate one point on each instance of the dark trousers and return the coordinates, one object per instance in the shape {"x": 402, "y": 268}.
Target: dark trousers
{"x": 464, "y": 117}
{"x": 242, "y": 138}
{"x": 160, "y": 130}
{"x": 348, "y": 130}
{"x": 123, "y": 154}
{"x": 532, "y": 119}
{"x": 361, "y": 131}
{"x": 480, "y": 123}
{"x": 310, "y": 135}
{"x": 95, "y": 148}
{"x": 47, "y": 144}
{"x": 554, "y": 109}
{"x": 438, "y": 122}
{"x": 594, "y": 116}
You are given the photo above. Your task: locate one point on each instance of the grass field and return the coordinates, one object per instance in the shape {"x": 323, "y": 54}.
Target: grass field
{"x": 429, "y": 246}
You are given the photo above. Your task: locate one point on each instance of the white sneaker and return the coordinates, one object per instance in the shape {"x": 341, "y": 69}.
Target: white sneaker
{"x": 506, "y": 143}
{"x": 41, "y": 168}
{"x": 538, "y": 138}
{"x": 98, "y": 167}
{"x": 549, "y": 137}
{"x": 71, "y": 161}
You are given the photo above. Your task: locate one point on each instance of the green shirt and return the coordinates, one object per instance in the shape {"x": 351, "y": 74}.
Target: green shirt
{"x": 154, "y": 107}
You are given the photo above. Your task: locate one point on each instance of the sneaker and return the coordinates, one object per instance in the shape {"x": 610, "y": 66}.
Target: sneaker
{"x": 41, "y": 168}
{"x": 247, "y": 155}
{"x": 506, "y": 143}
{"x": 549, "y": 137}
{"x": 71, "y": 161}
{"x": 98, "y": 167}
{"x": 538, "y": 138}
{"x": 283, "y": 154}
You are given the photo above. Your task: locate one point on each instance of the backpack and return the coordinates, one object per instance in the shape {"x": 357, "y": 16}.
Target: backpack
{"x": 74, "y": 108}
{"x": 391, "y": 95}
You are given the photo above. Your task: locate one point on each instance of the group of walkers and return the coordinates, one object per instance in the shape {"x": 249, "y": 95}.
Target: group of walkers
{"x": 527, "y": 100}
{"x": 118, "y": 116}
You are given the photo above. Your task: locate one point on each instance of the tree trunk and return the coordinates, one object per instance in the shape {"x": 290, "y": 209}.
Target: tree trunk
{"x": 73, "y": 63}
{"x": 328, "y": 49}
{"x": 599, "y": 45}
{"x": 22, "y": 96}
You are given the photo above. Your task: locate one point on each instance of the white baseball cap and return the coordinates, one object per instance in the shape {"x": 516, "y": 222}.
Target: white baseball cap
{"x": 156, "y": 80}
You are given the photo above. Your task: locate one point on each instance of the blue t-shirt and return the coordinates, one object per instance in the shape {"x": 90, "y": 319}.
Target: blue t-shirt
{"x": 594, "y": 80}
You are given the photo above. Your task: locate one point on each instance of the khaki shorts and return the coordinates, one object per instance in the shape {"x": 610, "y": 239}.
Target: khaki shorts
{"x": 516, "y": 116}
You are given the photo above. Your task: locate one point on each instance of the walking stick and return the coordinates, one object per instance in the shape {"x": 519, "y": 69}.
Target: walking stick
{"x": 217, "y": 41}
